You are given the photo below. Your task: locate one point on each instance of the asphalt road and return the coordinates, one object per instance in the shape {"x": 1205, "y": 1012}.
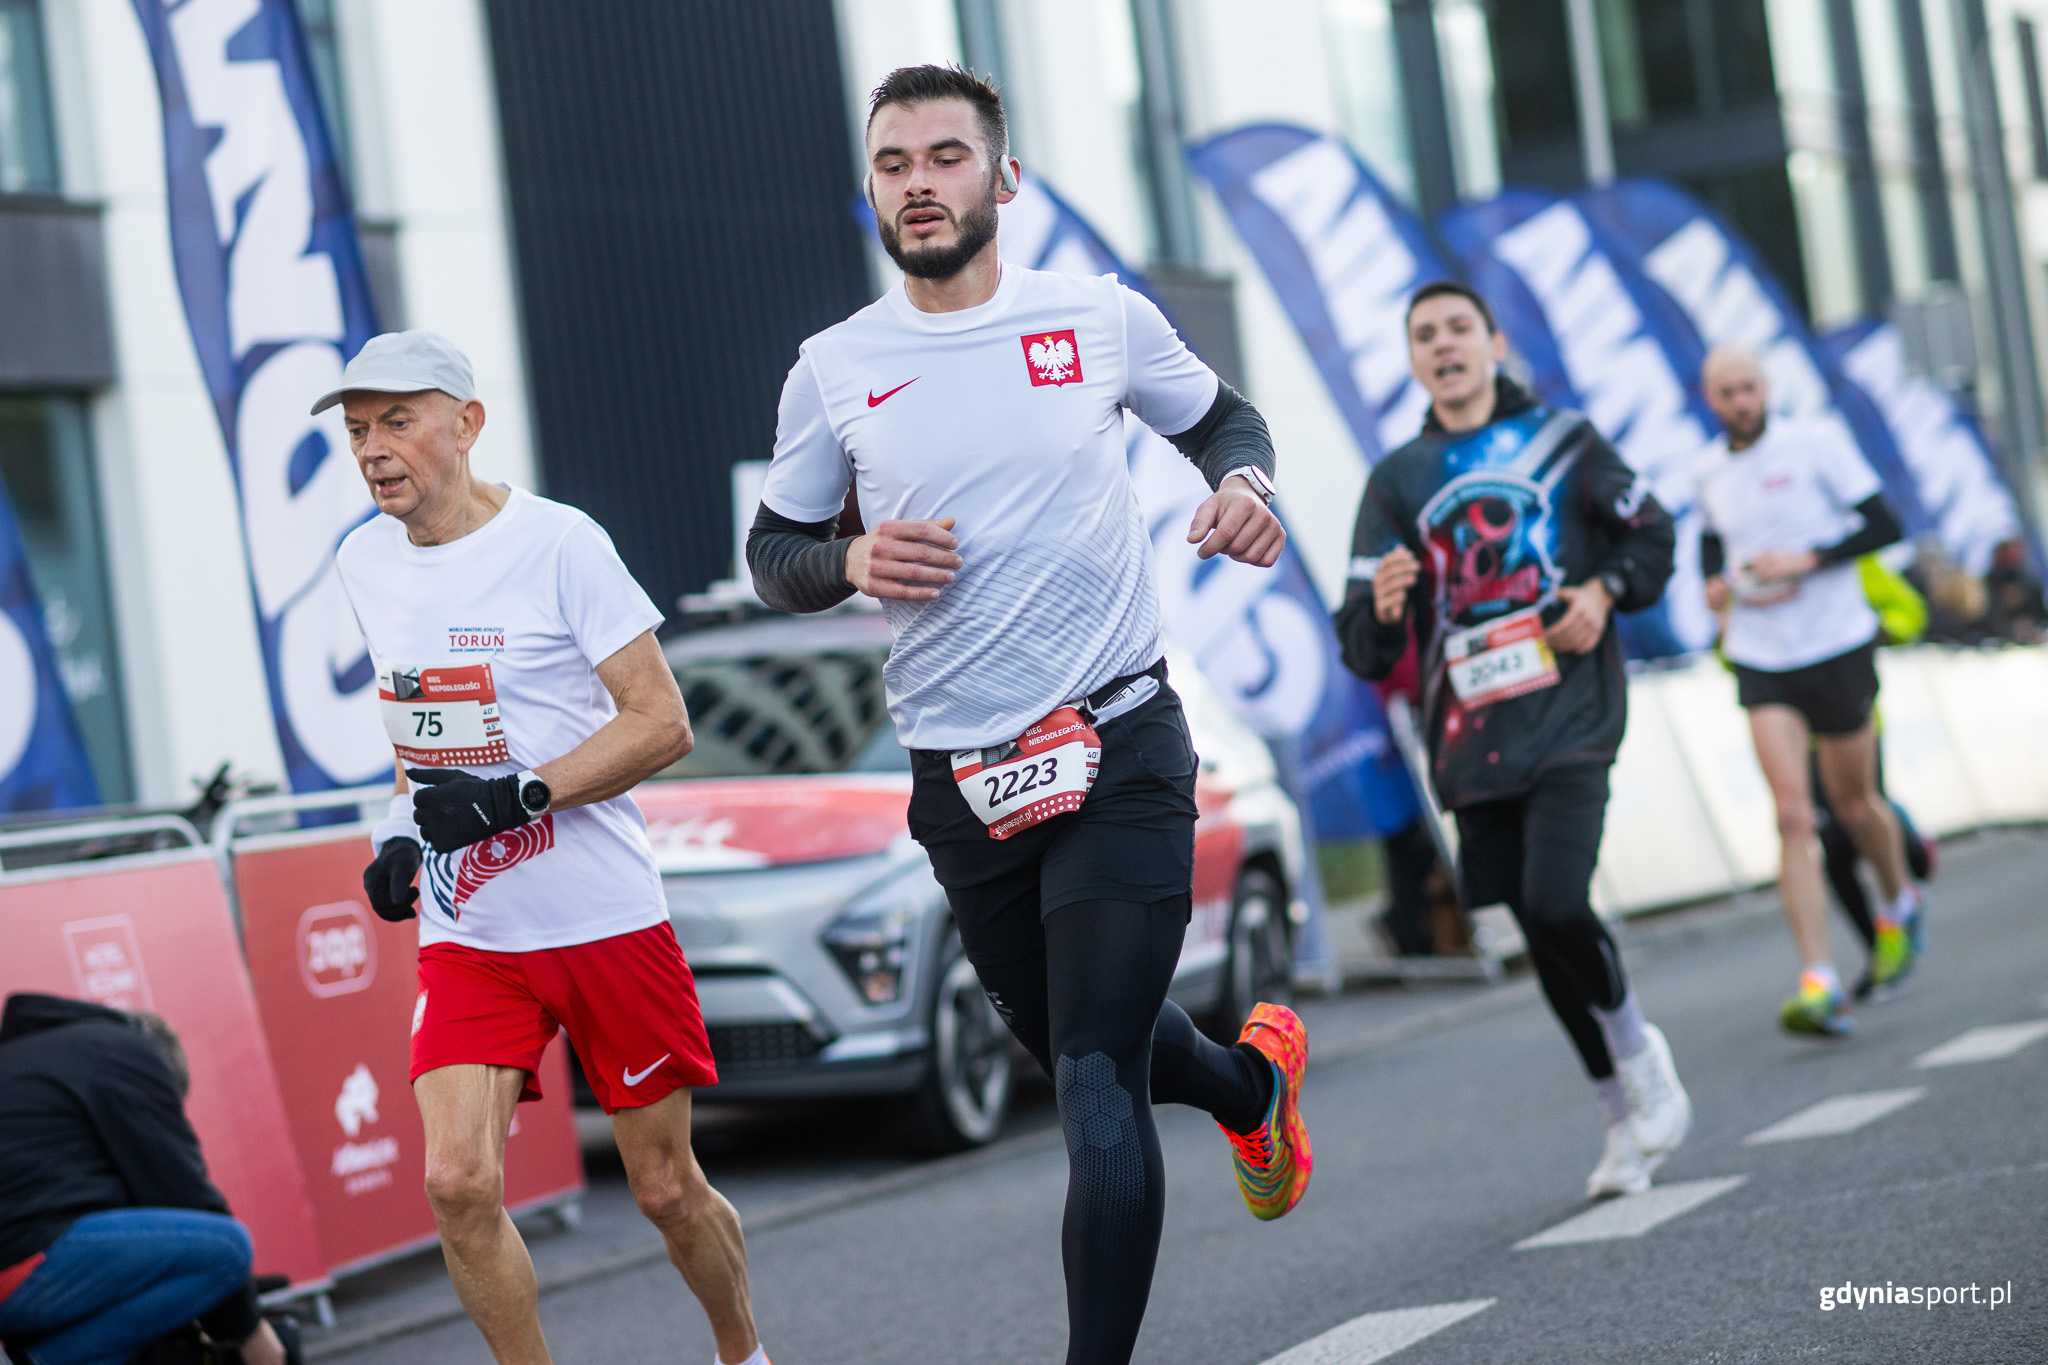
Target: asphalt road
{"x": 1451, "y": 1127}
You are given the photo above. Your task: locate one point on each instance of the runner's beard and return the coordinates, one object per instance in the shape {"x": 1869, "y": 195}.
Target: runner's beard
{"x": 970, "y": 235}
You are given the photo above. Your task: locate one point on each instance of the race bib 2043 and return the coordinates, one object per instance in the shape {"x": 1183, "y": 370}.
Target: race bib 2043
{"x": 1506, "y": 658}
{"x": 442, "y": 717}
{"x": 1044, "y": 771}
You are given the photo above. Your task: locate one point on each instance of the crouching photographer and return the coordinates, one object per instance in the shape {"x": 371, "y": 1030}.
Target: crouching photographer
{"x": 113, "y": 1240}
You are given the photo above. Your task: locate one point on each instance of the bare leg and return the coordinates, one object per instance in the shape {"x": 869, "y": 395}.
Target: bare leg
{"x": 1781, "y": 742}
{"x": 467, "y": 1111}
{"x": 1848, "y": 769}
{"x": 702, "y": 1230}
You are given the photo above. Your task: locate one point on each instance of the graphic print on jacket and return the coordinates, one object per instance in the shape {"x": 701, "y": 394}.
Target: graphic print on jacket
{"x": 453, "y": 878}
{"x": 1500, "y": 519}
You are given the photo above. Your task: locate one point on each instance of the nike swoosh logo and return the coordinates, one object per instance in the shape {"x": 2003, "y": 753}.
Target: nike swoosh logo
{"x": 875, "y": 402}
{"x": 631, "y": 1079}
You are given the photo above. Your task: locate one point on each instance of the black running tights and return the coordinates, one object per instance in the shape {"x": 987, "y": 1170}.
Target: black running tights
{"x": 1537, "y": 853}
{"x": 1090, "y": 1004}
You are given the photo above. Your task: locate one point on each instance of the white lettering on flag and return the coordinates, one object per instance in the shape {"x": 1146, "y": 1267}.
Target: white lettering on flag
{"x": 1365, "y": 270}
{"x": 281, "y": 292}
{"x": 1619, "y": 370}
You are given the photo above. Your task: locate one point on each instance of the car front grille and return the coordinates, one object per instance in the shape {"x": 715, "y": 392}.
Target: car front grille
{"x": 753, "y": 1047}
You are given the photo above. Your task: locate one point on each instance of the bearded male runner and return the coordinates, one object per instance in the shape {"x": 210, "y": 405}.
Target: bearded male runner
{"x": 1505, "y": 536}
{"x": 978, "y": 412}
{"x": 524, "y": 694}
{"x": 1790, "y": 504}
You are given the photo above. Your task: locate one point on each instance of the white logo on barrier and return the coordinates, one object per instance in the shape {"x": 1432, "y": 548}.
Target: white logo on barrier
{"x": 337, "y": 949}
{"x": 17, "y": 695}
{"x": 356, "y": 1105}
{"x": 299, "y": 488}
{"x": 106, "y": 962}
{"x": 1365, "y": 270}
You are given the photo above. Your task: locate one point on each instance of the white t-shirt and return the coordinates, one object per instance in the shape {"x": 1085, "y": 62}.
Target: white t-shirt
{"x": 486, "y": 651}
{"x": 1008, "y": 418}
{"x": 1795, "y": 489}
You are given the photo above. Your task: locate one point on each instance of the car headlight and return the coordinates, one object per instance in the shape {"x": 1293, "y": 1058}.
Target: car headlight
{"x": 870, "y": 939}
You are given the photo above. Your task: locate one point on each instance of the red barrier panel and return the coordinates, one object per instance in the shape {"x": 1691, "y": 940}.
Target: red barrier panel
{"x": 335, "y": 987}
{"x": 156, "y": 934}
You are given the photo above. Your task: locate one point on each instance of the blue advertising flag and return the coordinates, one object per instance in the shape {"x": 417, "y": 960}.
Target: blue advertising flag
{"x": 1593, "y": 338}
{"x": 1946, "y": 451}
{"x": 1721, "y": 294}
{"x": 1342, "y": 254}
{"x": 276, "y": 298}
{"x": 43, "y": 763}
{"x": 1262, "y": 637}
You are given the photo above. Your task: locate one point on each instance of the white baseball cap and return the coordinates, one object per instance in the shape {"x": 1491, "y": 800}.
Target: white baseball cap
{"x": 405, "y": 362}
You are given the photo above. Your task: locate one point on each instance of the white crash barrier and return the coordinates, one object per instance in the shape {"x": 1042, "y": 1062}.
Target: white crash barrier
{"x": 1652, "y": 852}
{"x": 1965, "y": 746}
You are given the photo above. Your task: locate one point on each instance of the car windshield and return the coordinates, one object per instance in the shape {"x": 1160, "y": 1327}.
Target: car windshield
{"x": 783, "y": 709}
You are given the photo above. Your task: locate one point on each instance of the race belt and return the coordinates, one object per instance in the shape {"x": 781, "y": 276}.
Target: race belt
{"x": 1050, "y": 768}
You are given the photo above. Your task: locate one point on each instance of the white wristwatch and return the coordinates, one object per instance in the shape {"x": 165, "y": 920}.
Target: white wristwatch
{"x": 1254, "y": 476}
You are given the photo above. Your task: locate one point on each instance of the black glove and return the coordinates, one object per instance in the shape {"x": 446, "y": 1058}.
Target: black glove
{"x": 454, "y": 809}
{"x": 388, "y": 880}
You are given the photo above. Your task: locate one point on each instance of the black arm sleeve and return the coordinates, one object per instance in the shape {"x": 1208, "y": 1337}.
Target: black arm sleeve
{"x": 1642, "y": 536}
{"x": 1229, "y": 436}
{"x": 797, "y": 565}
{"x": 1880, "y": 528}
{"x": 1713, "y": 554}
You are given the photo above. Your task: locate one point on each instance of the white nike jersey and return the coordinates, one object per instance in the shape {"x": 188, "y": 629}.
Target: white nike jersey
{"x": 1009, "y": 419}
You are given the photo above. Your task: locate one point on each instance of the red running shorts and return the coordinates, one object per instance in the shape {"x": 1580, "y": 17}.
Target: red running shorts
{"x": 629, "y": 1005}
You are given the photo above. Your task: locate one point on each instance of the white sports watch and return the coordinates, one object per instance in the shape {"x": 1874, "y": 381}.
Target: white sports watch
{"x": 1254, "y": 476}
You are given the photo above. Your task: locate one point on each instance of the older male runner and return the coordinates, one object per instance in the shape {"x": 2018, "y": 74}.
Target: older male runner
{"x": 524, "y": 694}
{"x": 1505, "y": 536}
{"x": 1789, "y": 505}
{"x": 978, "y": 412}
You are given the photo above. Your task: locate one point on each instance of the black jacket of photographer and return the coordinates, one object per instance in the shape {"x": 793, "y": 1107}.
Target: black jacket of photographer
{"x": 91, "y": 1120}
{"x": 1500, "y": 518}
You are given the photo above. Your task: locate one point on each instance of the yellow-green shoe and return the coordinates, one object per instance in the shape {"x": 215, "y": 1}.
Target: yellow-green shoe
{"x": 1818, "y": 1010}
{"x": 1893, "y": 956}
{"x": 1275, "y": 1160}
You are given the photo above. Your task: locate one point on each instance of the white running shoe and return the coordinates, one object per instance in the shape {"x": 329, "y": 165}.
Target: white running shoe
{"x": 1657, "y": 1104}
{"x": 1622, "y": 1169}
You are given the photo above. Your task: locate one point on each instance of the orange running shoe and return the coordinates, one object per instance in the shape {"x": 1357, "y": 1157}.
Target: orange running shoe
{"x": 1275, "y": 1161}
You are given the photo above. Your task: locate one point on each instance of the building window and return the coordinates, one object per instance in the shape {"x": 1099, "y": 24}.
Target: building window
{"x": 1365, "y": 73}
{"x": 28, "y": 145}
{"x": 323, "y": 45}
{"x": 47, "y": 470}
{"x": 2037, "y": 114}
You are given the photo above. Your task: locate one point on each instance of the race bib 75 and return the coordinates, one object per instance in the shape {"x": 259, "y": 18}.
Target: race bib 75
{"x": 442, "y": 717}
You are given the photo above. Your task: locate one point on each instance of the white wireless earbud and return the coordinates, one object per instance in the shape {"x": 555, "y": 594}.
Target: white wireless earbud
{"x": 1007, "y": 173}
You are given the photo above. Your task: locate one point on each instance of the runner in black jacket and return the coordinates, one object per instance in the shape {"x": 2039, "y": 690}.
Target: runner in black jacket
{"x": 1507, "y": 533}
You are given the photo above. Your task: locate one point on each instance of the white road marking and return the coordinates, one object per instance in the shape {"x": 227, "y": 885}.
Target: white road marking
{"x": 1985, "y": 1044}
{"x": 1632, "y": 1215}
{"x": 1375, "y": 1336}
{"x": 1832, "y": 1118}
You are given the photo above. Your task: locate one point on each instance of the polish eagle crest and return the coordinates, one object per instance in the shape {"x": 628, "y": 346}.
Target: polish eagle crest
{"x": 1053, "y": 358}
